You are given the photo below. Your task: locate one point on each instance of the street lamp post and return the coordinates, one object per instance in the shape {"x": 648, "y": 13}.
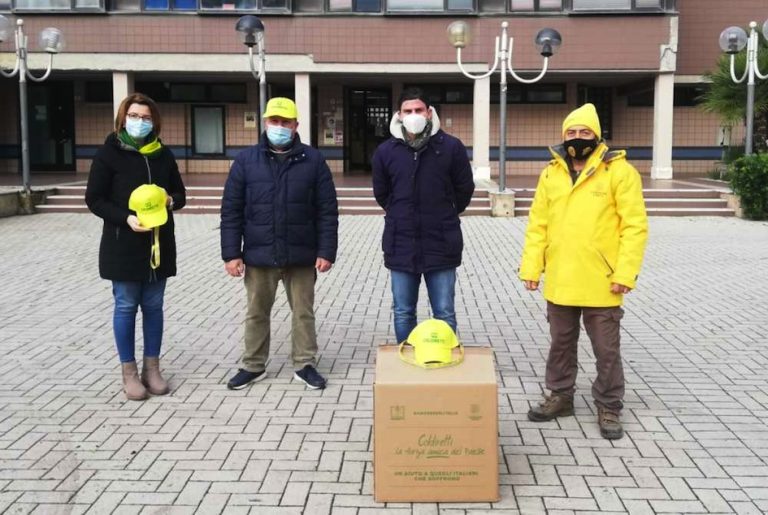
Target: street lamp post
{"x": 547, "y": 41}
{"x": 251, "y": 31}
{"x": 51, "y": 41}
{"x": 732, "y": 41}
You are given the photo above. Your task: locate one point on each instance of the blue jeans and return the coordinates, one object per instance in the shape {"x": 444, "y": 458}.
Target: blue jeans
{"x": 129, "y": 295}
{"x": 441, "y": 288}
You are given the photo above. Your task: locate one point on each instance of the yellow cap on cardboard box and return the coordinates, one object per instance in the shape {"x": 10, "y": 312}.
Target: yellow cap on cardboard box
{"x": 148, "y": 201}
{"x": 282, "y": 107}
{"x": 433, "y": 342}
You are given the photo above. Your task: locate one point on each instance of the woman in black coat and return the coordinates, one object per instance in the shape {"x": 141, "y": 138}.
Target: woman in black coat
{"x": 131, "y": 156}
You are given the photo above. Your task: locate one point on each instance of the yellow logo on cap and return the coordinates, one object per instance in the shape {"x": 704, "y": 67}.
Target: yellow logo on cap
{"x": 433, "y": 342}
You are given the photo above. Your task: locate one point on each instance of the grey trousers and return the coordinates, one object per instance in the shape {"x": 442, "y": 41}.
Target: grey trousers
{"x": 603, "y": 329}
{"x": 261, "y": 287}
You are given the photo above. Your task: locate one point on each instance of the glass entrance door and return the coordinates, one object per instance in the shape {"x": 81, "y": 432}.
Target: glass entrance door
{"x": 368, "y": 115}
{"x": 50, "y": 110}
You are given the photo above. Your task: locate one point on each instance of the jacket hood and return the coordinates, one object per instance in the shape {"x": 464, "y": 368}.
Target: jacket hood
{"x": 396, "y": 126}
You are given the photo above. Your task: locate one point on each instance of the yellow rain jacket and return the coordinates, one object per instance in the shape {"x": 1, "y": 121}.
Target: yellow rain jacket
{"x": 587, "y": 235}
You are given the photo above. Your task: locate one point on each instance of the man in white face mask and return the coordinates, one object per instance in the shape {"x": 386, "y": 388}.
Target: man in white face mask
{"x": 423, "y": 180}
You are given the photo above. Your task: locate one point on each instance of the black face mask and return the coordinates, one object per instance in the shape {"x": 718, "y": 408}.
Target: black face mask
{"x": 580, "y": 149}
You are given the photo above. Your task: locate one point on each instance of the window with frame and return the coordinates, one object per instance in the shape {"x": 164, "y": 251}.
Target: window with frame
{"x": 98, "y": 92}
{"x": 193, "y": 92}
{"x": 153, "y": 5}
{"x": 535, "y": 5}
{"x": 354, "y": 6}
{"x": 416, "y": 6}
{"x": 208, "y": 130}
{"x": 686, "y": 95}
{"x": 622, "y": 5}
{"x": 53, "y": 5}
{"x": 245, "y": 5}
{"x": 531, "y": 94}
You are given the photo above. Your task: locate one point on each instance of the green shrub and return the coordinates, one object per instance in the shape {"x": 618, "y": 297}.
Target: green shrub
{"x": 749, "y": 180}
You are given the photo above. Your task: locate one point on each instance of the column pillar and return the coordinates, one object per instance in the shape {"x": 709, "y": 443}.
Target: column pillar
{"x": 303, "y": 93}
{"x": 663, "y": 119}
{"x": 481, "y": 122}
{"x": 122, "y": 86}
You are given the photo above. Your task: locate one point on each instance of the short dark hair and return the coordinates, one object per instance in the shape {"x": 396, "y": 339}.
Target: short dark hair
{"x": 138, "y": 98}
{"x": 412, "y": 93}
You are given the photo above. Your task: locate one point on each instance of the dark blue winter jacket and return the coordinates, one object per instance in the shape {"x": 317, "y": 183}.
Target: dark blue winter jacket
{"x": 422, "y": 193}
{"x": 279, "y": 214}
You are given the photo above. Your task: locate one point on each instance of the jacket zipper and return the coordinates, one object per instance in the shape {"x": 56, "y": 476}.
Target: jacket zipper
{"x": 152, "y": 273}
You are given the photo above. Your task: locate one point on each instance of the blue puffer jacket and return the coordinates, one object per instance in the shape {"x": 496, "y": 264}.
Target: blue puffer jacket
{"x": 422, "y": 193}
{"x": 277, "y": 214}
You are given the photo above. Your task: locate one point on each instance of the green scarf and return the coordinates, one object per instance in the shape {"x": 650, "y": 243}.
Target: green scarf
{"x": 151, "y": 149}
{"x": 421, "y": 139}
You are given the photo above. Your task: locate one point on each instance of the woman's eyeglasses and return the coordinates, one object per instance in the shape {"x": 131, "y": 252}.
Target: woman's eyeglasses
{"x": 136, "y": 117}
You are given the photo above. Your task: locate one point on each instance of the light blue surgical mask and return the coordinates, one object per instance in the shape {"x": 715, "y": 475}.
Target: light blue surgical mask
{"x": 279, "y": 136}
{"x": 138, "y": 128}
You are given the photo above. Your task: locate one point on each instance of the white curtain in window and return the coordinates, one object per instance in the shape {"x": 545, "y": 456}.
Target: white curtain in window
{"x": 415, "y": 5}
{"x": 209, "y": 130}
{"x": 602, "y": 4}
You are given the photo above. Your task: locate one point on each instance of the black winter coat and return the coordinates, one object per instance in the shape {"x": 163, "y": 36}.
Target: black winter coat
{"x": 116, "y": 171}
{"x": 422, "y": 193}
{"x": 278, "y": 214}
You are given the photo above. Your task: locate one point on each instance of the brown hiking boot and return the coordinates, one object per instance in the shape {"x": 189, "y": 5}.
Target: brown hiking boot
{"x": 610, "y": 426}
{"x": 553, "y": 406}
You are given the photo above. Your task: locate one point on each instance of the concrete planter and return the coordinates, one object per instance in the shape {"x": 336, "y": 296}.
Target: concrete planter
{"x": 502, "y": 203}
{"x": 734, "y": 203}
{"x": 14, "y": 203}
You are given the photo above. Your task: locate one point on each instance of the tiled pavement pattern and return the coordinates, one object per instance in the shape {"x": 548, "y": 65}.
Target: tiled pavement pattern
{"x": 695, "y": 351}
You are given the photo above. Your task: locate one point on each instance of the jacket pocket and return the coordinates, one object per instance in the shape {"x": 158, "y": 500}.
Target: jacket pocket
{"x": 610, "y": 268}
{"x": 454, "y": 242}
{"x": 388, "y": 238}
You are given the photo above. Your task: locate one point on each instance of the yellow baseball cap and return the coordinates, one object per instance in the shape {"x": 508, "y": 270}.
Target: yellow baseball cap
{"x": 148, "y": 201}
{"x": 282, "y": 107}
{"x": 433, "y": 342}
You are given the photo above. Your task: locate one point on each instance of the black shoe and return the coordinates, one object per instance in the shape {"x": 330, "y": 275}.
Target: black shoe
{"x": 243, "y": 378}
{"x": 309, "y": 376}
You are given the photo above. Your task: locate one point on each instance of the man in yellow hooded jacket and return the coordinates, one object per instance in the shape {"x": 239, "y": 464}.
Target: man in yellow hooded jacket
{"x": 586, "y": 233}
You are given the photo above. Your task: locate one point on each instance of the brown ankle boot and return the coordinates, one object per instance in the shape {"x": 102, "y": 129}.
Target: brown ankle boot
{"x": 134, "y": 390}
{"x": 150, "y": 376}
{"x": 610, "y": 425}
{"x": 553, "y": 406}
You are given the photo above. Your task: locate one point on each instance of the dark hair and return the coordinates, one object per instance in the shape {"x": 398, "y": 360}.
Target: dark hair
{"x": 141, "y": 99}
{"x": 412, "y": 93}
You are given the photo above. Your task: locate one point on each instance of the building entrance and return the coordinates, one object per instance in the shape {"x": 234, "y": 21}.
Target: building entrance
{"x": 367, "y": 125}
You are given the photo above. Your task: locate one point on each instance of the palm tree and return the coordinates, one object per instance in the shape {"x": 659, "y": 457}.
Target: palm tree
{"x": 729, "y": 100}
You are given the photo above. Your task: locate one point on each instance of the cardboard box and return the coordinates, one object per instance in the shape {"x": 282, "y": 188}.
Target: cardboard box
{"x": 435, "y": 431}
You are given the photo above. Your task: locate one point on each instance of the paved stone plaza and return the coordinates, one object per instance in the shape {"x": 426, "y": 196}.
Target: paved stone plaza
{"x": 695, "y": 351}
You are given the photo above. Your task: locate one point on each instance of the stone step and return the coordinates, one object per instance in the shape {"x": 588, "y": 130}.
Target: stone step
{"x": 359, "y": 200}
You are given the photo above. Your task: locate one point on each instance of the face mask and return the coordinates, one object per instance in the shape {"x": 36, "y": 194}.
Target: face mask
{"x": 279, "y": 136}
{"x": 414, "y": 123}
{"x": 580, "y": 149}
{"x": 138, "y": 128}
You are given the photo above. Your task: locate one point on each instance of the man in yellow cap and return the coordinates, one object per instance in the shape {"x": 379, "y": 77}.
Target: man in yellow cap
{"x": 586, "y": 233}
{"x": 279, "y": 222}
